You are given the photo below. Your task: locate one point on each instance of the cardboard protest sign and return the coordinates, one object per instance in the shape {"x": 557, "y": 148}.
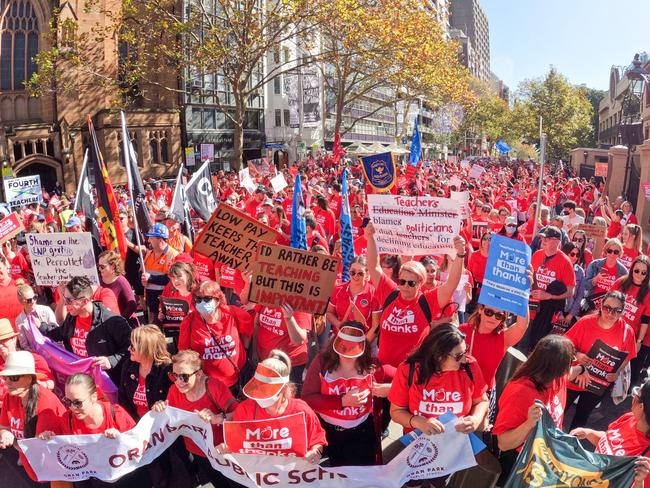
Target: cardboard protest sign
{"x": 280, "y": 436}
{"x": 207, "y": 152}
{"x": 506, "y": 285}
{"x": 174, "y": 310}
{"x": 231, "y": 237}
{"x": 278, "y": 183}
{"x": 60, "y": 256}
{"x": 478, "y": 229}
{"x": 462, "y": 197}
{"x": 23, "y": 191}
{"x": 9, "y": 227}
{"x": 305, "y": 280}
{"x": 414, "y": 226}
{"x": 601, "y": 169}
{"x": 596, "y": 234}
{"x": 455, "y": 181}
{"x": 605, "y": 360}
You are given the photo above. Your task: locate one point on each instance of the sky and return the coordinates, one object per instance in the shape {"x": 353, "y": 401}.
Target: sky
{"x": 581, "y": 38}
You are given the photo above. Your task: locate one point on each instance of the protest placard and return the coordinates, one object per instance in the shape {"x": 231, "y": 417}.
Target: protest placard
{"x": 455, "y": 181}
{"x": 415, "y": 226}
{"x": 402, "y": 182}
{"x": 207, "y": 152}
{"x": 478, "y": 229}
{"x": 595, "y": 233}
{"x": 278, "y": 183}
{"x": 246, "y": 181}
{"x": 601, "y": 170}
{"x": 506, "y": 285}
{"x": 280, "y": 436}
{"x": 23, "y": 191}
{"x": 174, "y": 310}
{"x": 476, "y": 171}
{"x": 9, "y": 227}
{"x": 646, "y": 191}
{"x": 604, "y": 360}
{"x": 230, "y": 237}
{"x": 305, "y": 280}
{"x": 462, "y": 197}
{"x": 60, "y": 256}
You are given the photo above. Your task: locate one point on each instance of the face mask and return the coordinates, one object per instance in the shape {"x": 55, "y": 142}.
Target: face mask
{"x": 510, "y": 230}
{"x": 269, "y": 401}
{"x": 206, "y": 308}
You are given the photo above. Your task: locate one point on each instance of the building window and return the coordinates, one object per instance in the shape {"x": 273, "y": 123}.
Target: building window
{"x": 153, "y": 151}
{"x": 276, "y": 55}
{"x": 278, "y": 117}
{"x": 277, "y": 89}
{"x": 287, "y": 118}
{"x": 19, "y": 44}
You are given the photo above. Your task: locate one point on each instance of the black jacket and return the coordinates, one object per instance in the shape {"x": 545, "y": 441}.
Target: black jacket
{"x": 157, "y": 384}
{"x": 109, "y": 335}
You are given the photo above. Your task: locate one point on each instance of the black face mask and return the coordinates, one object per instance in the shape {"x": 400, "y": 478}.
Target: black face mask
{"x": 565, "y": 212}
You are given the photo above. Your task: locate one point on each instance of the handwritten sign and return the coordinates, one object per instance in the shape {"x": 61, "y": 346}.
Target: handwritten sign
{"x": 278, "y": 183}
{"x": 23, "y": 191}
{"x": 601, "y": 169}
{"x": 280, "y": 436}
{"x": 414, "y": 226}
{"x": 9, "y": 227}
{"x": 305, "y": 280}
{"x": 60, "y": 256}
{"x": 476, "y": 171}
{"x": 595, "y": 233}
{"x": 230, "y": 237}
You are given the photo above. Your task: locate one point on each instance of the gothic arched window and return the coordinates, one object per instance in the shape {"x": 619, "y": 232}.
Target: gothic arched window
{"x": 19, "y": 40}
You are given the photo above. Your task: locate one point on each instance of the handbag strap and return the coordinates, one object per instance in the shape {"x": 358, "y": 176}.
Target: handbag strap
{"x": 221, "y": 349}
{"x": 211, "y": 397}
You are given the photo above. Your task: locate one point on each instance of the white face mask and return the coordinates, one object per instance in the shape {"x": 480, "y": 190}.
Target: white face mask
{"x": 269, "y": 402}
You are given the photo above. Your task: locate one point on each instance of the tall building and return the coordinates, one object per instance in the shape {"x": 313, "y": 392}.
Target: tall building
{"x": 468, "y": 16}
{"x": 47, "y": 135}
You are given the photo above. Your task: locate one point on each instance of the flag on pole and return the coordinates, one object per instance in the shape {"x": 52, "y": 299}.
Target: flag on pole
{"x": 298, "y": 225}
{"x": 338, "y": 152}
{"x": 380, "y": 171}
{"x": 200, "y": 192}
{"x": 502, "y": 147}
{"x": 85, "y": 200}
{"x": 136, "y": 187}
{"x": 180, "y": 208}
{"x": 347, "y": 246}
{"x": 416, "y": 148}
{"x": 109, "y": 217}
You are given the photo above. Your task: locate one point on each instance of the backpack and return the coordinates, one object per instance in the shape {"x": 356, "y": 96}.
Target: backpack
{"x": 422, "y": 302}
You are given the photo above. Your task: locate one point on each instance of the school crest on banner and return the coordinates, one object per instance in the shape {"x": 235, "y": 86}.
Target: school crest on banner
{"x": 380, "y": 171}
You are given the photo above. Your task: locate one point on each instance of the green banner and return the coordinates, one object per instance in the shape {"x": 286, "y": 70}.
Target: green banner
{"x": 551, "y": 458}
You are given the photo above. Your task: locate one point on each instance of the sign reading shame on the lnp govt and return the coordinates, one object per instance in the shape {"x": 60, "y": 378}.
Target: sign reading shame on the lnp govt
{"x": 415, "y": 226}
{"x": 23, "y": 191}
{"x": 61, "y": 256}
{"x": 506, "y": 285}
{"x": 305, "y": 280}
{"x": 230, "y": 237}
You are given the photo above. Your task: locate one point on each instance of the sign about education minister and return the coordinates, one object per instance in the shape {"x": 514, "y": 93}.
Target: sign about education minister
{"x": 61, "y": 256}
{"x": 415, "y": 226}
{"x": 305, "y": 280}
{"x": 280, "y": 436}
{"x": 506, "y": 285}
{"x": 231, "y": 237}
{"x": 23, "y": 191}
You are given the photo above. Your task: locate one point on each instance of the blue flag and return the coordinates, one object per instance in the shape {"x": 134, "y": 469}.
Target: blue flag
{"x": 380, "y": 171}
{"x": 347, "y": 247}
{"x": 416, "y": 148}
{"x": 502, "y": 147}
{"x": 298, "y": 225}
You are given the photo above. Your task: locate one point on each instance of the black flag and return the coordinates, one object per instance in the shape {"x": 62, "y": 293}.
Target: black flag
{"x": 200, "y": 193}
{"x": 85, "y": 199}
{"x": 180, "y": 208}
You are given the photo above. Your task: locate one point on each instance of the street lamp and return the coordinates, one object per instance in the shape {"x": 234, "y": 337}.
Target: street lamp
{"x": 585, "y": 154}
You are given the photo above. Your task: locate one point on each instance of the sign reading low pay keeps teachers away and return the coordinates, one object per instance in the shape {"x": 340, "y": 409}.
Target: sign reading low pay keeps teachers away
{"x": 506, "y": 285}
{"x": 415, "y": 226}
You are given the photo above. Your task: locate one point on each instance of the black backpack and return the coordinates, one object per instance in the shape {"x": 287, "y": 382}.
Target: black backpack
{"x": 422, "y": 302}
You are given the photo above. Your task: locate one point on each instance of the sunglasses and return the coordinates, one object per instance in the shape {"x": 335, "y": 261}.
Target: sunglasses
{"x": 511, "y": 225}
{"x": 357, "y": 273}
{"x": 30, "y": 299}
{"x": 574, "y": 254}
{"x": 613, "y": 251}
{"x": 488, "y": 312}
{"x": 410, "y": 283}
{"x": 198, "y": 299}
{"x": 610, "y": 309}
{"x": 74, "y": 404}
{"x": 640, "y": 272}
{"x": 459, "y": 355}
{"x": 14, "y": 378}
{"x": 71, "y": 300}
{"x": 184, "y": 377}
{"x": 488, "y": 238}
{"x": 578, "y": 240}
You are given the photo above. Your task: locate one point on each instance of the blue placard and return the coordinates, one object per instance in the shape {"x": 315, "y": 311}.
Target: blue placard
{"x": 506, "y": 285}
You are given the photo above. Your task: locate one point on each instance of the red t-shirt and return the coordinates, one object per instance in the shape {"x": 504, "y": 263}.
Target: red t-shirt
{"x": 273, "y": 334}
{"x": 78, "y": 340}
{"x": 48, "y": 408}
{"x": 624, "y": 439}
{"x": 633, "y": 311}
{"x": 366, "y": 301}
{"x": 557, "y": 267}
{"x": 140, "y": 397}
{"x": 174, "y": 306}
{"x": 487, "y": 349}
{"x": 450, "y": 391}
{"x": 225, "y": 403}
{"x": 476, "y": 266}
{"x": 327, "y": 220}
{"x": 19, "y": 267}
{"x": 606, "y": 278}
{"x": 198, "y": 336}
{"x": 628, "y": 256}
{"x": 9, "y": 303}
{"x": 403, "y": 324}
{"x": 586, "y": 331}
{"x": 250, "y": 410}
{"x": 614, "y": 229}
{"x": 68, "y": 424}
{"x": 520, "y": 394}
{"x": 107, "y": 298}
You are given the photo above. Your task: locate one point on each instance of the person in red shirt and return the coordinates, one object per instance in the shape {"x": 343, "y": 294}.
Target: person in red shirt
{"x": 629, "y": 435}
{"x": 270, "y": 395}
{"x": 476, "y": 266}
{"x": 608, "y": 327}
{"x": 632, "y": 239}
{"x": 176, "y": 298}
{"x": 439, "y": 377}
{"x": 9, "y": 344}
{"x": 194, "y": 391}
{"x": 340, "y": 385}
{"x": 542, "y": 377}
{"x": 335, "y": 199}
{"x": 325, "y": 217}
{"x": 253, "y": 205}
{"x": 9, "y": 303}
{"x": 628, "y": 215}
{"x": 404, "y": 320}
{"x": 579, "y": 238}
{"x": 218, "y": 332}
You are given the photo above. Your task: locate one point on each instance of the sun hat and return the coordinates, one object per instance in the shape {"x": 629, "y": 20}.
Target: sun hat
{"x": 265, "y": 383}
{"x": 350, "y": 342}
{"x": 19, "y": 363}
{"x": 6, "y": 330}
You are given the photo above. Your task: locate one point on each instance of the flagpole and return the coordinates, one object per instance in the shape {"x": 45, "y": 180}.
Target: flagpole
{"x": 129, "y": 176}
{"x": 81, "y": 181}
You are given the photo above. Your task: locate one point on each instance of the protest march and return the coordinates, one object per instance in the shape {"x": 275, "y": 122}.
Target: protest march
{"x": 320, "y": 324}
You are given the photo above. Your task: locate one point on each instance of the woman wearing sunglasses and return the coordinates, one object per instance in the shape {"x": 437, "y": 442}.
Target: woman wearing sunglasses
{"x": 608, "y": 326}
{"x": 442, "y": 366}
{"x": 406, "y": 310}
{"x": 579, "y": 238}
{"x": 192, "y": 390}
{"x": 32, "y": 311}
{"x": 573, "y": 303}
{"x": 218, "y": 332}
{"x": 602, "y": 273}
{"x": 111, "y": 274}
{"x": 632, "y": 238}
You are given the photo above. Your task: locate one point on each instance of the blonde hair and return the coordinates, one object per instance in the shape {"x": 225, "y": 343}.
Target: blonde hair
{"x": 280, "y": 362}
{"x": 636, "y": 231}
{"x": 149, "y": 342}
{"x": 187, "y": 356}
{"x": 613, "y": 242}
{"x": 22, "y": 289}
{"x": 416, "y": 268}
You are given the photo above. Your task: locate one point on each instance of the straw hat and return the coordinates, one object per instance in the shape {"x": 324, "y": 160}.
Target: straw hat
{"x": 265, "y": 383}
{"x": 350, "y": 342}
{"x": 19, "y": 363}
{"x": 6, "y": 330}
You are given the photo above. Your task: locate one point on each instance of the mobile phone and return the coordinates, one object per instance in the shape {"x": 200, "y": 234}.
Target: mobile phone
{"x": 365, "y": 222}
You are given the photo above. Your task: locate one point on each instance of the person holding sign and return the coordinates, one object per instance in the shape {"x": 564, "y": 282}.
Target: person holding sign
{"x": 595, "y": 338}
{"x": 270, "y": 397}
{"x": 601, "y": 274}
{"x": 407, "y": 311}
{"x": 340, "y": 384}
{"x": 176, "y": 298}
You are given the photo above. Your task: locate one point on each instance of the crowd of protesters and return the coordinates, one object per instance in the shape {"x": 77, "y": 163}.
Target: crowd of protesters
{"x": 176, "y": 329}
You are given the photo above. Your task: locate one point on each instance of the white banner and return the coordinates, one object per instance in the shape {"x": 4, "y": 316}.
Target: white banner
{"x": 76, "y": 458}
{"x": 415, "y": 226}
{"x": 23, "y": 191}
{"x": 476, "y": 171}
{"x": 59, "y": 256}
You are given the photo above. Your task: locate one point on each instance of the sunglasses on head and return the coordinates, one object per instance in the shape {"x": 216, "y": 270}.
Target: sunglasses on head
{"x": 640, "y": 271}
{"x": 488, "y": 312}
{"x": 198, "y": 299}
{"x": 610, "y": 309}
{"x": 184, "y": 377}
{"x": 613, "y": 251}
{"x": 459, "y": 355}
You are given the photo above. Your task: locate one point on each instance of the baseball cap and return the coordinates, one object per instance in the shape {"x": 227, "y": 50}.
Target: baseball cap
{"x": 511, "y": 221}
{"x": 159, "y": 230}
{"x": 551, "y": 232}
{"x": 72, "y": 221}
